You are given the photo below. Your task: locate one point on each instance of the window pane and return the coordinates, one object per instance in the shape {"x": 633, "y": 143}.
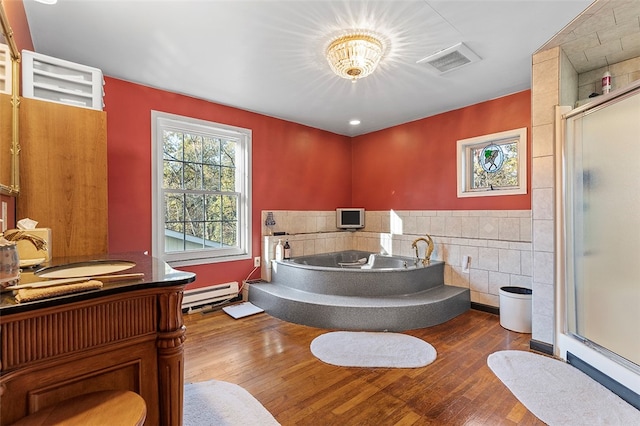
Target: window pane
{"x": 228, "y": 153}
{"x": 192, "y": 176}
{"x": 194, "y": 236}
{"x": 174, "y": 237}
{"x": 213, "y": 205}
{"x": 172, "y": 145}
{"x": 172, "y": 172}
{"x": 229, "y": 208}
{"x": 194, "y": 208}
{"x": 174, "y": 222}
{"x": 192, "y": 148}
{"x": 228, "y": 179}
{"x": 211, "y": 178}
{"x": 211, "y": 151}
{"x": 173, "y": 208}
{"x": 229, "y": 233}
{"x": 214, "y": 234}
{"x": 506, "y": 177}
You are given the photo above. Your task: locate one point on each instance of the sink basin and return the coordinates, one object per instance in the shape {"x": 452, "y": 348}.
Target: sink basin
{"x": 85, "y": 269}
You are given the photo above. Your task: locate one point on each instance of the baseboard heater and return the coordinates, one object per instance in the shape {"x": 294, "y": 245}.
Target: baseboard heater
{"x": 205, "y": 295}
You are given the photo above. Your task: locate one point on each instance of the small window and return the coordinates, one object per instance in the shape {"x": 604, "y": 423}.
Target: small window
{"x": 493, "y": 164}
{"x": 201, "y": 184}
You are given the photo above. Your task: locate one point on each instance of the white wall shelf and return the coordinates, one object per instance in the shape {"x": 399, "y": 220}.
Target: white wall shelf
{"x": 5, "y": 69}
{"x": 56, "y": 80}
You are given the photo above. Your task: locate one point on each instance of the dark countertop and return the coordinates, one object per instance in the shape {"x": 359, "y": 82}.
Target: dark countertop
{"x": 156, "y": 272}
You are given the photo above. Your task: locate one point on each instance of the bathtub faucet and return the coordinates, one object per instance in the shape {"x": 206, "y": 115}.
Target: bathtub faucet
{"x": 429, "y": 250}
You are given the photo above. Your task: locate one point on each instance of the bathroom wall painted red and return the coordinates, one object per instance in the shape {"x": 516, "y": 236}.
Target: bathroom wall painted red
{"x": 17, "y": 18}
{"x": 413, "y": 166}
{"x": 295, "y": 167}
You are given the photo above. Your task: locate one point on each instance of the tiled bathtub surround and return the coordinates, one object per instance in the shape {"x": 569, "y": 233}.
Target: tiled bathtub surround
{"x": 498, "y": 242}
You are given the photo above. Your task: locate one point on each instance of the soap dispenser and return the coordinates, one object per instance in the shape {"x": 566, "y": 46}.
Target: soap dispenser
{"x": 279, "y": 250}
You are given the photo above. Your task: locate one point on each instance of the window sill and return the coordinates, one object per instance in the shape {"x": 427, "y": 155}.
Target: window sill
{"x": 492, "y": 193}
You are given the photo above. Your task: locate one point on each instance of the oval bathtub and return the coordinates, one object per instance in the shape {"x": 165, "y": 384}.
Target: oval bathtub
{"x": 358, "y": 273}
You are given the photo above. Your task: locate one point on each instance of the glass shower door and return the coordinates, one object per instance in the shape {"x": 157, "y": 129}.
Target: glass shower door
{"x": 602, "y": 222}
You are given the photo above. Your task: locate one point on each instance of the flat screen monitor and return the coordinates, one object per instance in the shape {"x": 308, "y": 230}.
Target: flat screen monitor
{"x": 350, "y": 218}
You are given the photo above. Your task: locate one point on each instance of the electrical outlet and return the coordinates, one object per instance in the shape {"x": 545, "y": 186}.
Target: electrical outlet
{"x": 466, "y": 261}
{"x": 256, "y": 261}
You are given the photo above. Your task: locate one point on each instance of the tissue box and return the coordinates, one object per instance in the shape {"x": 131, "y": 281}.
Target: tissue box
{"x": 26, "y": 249}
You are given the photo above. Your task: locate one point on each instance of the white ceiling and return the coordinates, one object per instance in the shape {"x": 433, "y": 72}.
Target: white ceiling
{"x": 267, "y": 55}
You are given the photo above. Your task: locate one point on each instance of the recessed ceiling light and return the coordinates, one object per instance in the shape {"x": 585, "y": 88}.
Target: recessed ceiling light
{"x": 354, "y": 122}
{"x": 47, "y": 1}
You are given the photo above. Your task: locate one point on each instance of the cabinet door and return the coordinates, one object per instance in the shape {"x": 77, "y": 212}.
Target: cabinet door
{"x": 63, "y": 175}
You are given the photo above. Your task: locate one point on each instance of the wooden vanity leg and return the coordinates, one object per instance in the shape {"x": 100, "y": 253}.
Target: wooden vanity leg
{"x": 171, "y": 335}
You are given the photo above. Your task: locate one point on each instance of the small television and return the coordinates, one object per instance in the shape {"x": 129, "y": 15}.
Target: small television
{"x": 352, "y": 218}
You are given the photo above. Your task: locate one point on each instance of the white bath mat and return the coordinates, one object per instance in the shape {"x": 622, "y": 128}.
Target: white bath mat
{"x": 558, "y": 393}
{"x": 242, "y": 310}
{"x": 372, "y": 349}
{"x": 223, "y": 404}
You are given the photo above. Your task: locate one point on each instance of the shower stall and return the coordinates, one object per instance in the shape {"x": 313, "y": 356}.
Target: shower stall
{"x": 598, "y": 237}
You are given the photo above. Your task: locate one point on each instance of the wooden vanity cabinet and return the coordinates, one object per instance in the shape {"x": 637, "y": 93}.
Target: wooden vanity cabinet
{"x": 125, "y": 336}
{"x": 63, "y": 175}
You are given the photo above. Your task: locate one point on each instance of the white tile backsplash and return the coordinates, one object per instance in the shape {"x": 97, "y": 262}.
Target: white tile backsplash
{"x": 479, "y": 280}
{"x": 470, "y": 227}
{"x": 509, "y": 229}
{"x": 488, "y": 258}
{"x": 509, "y": 261}
{"x": 498, "y": 242}
{"x": 497, "y": 280}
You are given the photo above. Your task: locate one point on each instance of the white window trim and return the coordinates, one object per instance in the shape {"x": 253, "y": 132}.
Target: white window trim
{"x": 463, "y": 163}
{"x": 198, "y": 257}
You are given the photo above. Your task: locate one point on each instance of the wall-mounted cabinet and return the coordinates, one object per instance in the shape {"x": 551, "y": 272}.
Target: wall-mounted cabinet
{"x": 64, "y": 175}
{"x": 56, "y": 80}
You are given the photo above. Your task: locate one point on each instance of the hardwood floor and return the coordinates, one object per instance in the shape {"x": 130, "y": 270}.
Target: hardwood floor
{"x": 271, "y": 359}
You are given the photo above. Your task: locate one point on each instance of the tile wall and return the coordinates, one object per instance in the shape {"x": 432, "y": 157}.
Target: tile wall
{"x": 553, "y": 85}
{"x": 622, "y": 74}
{"x": 498, "y": 242}
{"x": 545, "y": 97}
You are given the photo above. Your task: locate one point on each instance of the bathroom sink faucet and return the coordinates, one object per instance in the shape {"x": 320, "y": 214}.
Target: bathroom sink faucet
{"x": 429, "y": 250}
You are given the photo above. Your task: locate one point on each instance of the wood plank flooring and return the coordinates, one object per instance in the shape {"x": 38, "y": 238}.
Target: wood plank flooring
{"x": 271, "y": 359}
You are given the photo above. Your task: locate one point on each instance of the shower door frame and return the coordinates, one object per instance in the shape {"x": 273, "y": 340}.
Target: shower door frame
{"x": 617, "y": 368}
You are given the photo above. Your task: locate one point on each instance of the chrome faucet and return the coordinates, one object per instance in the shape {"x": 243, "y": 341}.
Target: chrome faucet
{"x": 429, "y": 250}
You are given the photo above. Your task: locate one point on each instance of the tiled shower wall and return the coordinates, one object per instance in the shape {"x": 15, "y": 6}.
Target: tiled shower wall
{"x": 555, "y": 83}
{"x": 498, "y": 242}
{"x": 622, "y": 74}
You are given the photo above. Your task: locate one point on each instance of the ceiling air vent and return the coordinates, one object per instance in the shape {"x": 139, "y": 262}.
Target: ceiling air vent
{"x": 450, "y": 58}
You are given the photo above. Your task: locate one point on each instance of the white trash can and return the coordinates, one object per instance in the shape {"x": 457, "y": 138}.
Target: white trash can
{"x": 515, "y": 309}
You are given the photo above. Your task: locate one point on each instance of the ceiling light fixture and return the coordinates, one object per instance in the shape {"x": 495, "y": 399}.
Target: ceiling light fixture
{"x": 355, "y": 56}
{"x": 354, "y": 122}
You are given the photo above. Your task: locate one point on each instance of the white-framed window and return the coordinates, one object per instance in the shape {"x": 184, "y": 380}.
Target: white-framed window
{"x": 201, "y": 186}
{"x": 494, "y": 164}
